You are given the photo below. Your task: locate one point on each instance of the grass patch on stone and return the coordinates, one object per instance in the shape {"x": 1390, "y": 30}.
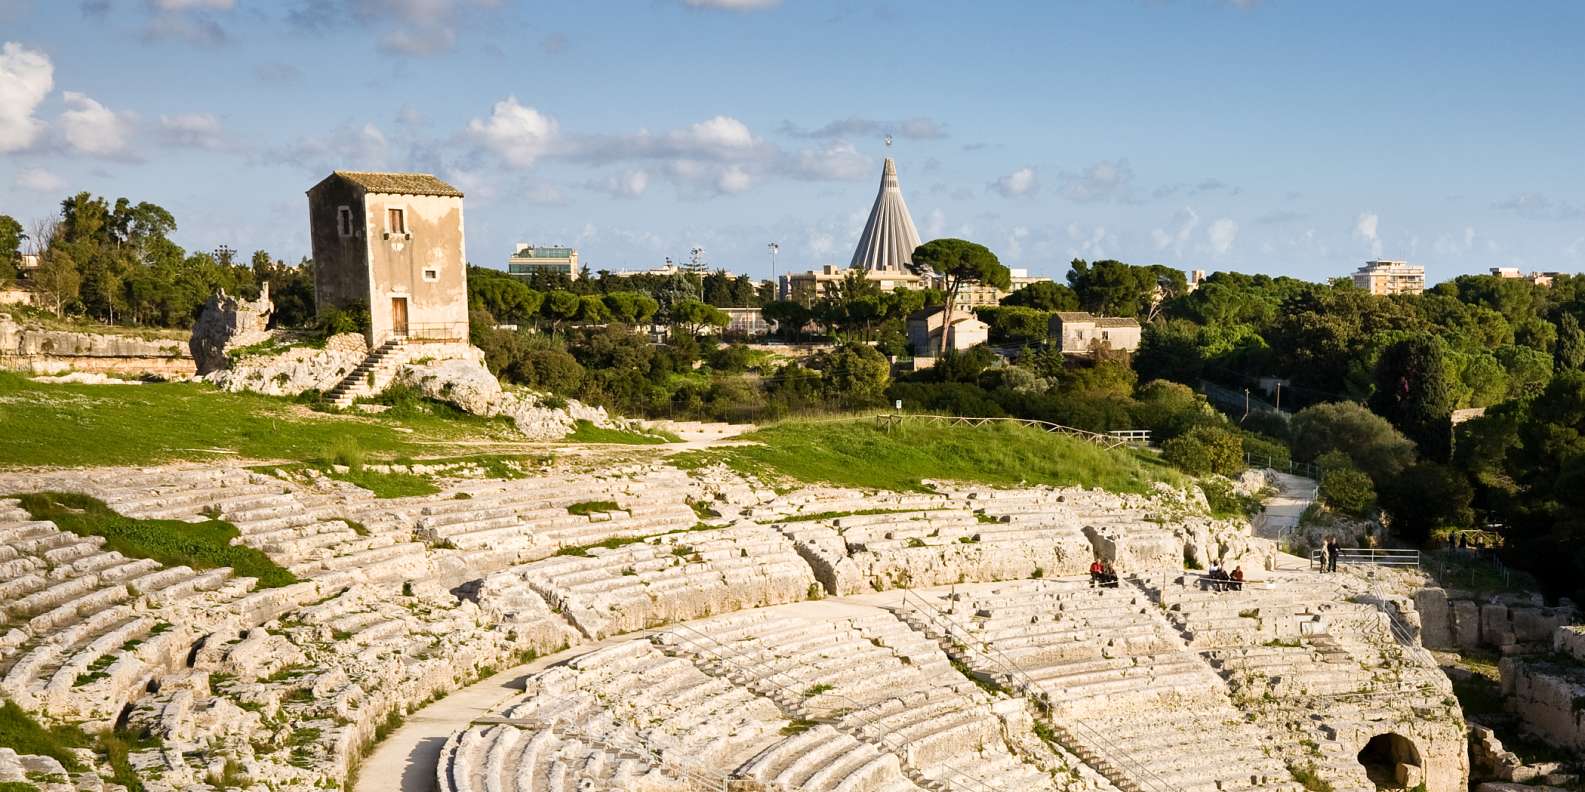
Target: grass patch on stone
{"x": 21, "y": 733}
{"x": 1309, "y": 779}
{"x": 832, "y": 515}
{"x": 586, "y": 508}
{"x": 860, "y": 454}
{"x": 200, "y": 545}
{"x": 386, "y": 485}
{"x": 586, "y": 432}
{"x": 66, "y": 425}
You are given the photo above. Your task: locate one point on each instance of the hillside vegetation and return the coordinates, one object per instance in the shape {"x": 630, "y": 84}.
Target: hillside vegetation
{"x": 73, "y": 425}
{"x": 860, "y": 454}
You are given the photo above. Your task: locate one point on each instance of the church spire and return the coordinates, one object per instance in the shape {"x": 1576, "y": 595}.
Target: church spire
{"x": 889, "y": 236}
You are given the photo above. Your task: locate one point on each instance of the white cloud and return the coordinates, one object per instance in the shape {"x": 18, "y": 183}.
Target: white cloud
{"x": 836, "y": 162}
{"x": 1176, "y": 238}
{"x": 630, "y": 184}
{"x": 732, "y": 5}
{"x": 917, "y": 128}
{"x": 733, "y": 180}
{"x": 346, "y": 147}
{"x": 38, "y": 180}
{"x": 1222, "y": 233}
{"x": 1102, "y": 181}
{"x": 92, "y": 128}
{"x": 720, "y": 132}
{"x": 517, "y": 133}
{"x": 1019, "y": 183}
{"x": 1089, "y": 242}
{"x": 935, "y": 223}
{"x": 1015, "y": 242}
{"x": 1366, "y": 228}
{"x": 196, "y": 130}
{"x": 26, "y": 77}
{"x": 1535, "y": 206}
{"x": 405, "y": 27}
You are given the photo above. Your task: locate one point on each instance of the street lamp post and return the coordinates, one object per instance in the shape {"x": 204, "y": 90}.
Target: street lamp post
{"x": 774, "y": 285}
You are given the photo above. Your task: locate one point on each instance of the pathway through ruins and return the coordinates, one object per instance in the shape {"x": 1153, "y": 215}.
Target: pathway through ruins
{"x": 1282, "y": 513}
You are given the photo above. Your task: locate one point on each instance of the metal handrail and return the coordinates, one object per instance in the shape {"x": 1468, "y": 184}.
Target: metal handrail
{"x": 1112, "y": 439}
{"x": 1374, "y": 556}
{"x": 1031, "y": 689}
{"x": 857, "y": 707}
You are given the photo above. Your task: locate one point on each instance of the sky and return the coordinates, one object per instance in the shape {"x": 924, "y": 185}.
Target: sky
{"x": 1290, "y": 137}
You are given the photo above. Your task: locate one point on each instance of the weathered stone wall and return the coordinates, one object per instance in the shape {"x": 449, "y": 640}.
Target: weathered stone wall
{"x": 1457, "y": 620}
{"x": 42, "y": 351}
{"x": 295, "y": 370}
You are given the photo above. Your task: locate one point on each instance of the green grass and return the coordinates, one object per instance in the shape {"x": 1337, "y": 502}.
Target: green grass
{"x": 832, "y": 515}
{"x": 202, "y": 545}
{"x": 1307, "y": 778}
{"x": 586, "y": 432}
{"x": 586, "y": 508}
{"x": 49, "y": 425}
{"x": 17, "y": 786}
{"x": 859, "y": 454}
{"x": 21, "y": 733}
{"x": 387, "y": 485}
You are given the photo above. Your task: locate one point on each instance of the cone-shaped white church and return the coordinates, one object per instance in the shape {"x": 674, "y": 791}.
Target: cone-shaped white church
{"x": 889, "y": 236}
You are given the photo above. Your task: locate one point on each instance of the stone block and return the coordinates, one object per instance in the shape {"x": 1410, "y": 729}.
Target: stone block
{"x": 1466, "y": 624}
{"x": 1435, "y": 631}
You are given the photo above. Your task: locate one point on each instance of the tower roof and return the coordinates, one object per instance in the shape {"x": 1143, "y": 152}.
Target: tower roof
{"x": 889, "y": 236}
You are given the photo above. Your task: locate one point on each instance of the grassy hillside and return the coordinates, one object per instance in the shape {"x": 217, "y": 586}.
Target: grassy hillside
{"x": 72, "y": 425}
{"x": 859, "y": 454}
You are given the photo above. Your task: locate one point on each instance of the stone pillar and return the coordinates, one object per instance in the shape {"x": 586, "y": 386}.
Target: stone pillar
{"x": 1435, "y": 632}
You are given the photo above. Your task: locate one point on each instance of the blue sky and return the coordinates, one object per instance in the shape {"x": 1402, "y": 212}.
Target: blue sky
{"x": 1277, "y": 136}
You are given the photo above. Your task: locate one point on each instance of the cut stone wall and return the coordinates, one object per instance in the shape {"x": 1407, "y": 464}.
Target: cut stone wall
{"x": 37, "y": 350}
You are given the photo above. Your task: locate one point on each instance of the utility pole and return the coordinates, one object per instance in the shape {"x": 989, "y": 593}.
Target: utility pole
{"x": 1279, "y": 395}
{"x": 1246, "y": 406}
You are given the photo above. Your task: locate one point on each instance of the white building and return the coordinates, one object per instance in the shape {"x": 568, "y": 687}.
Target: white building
{"x": 1385, "y": 277}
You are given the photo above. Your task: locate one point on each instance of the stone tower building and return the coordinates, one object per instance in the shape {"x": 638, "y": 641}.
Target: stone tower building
{"x": 391, "y": 243}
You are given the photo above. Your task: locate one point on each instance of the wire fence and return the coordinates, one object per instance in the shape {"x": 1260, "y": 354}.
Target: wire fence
{"x": 1114, "y": 439}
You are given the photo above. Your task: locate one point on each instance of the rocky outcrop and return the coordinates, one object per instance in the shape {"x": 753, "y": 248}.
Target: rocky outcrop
{"x": 1508, "y": 623}
{"x": 227, "y": 323}
{"x": 466, "y": 383}
{"x": 40, "y": 350}
{"x": 297, "y": 369}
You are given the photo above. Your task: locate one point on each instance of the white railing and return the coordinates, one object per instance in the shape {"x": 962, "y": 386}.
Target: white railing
{"x": 1373, "y": 556}
{"x": 1136, "y": 437}
{"x": 1134, "y": 772}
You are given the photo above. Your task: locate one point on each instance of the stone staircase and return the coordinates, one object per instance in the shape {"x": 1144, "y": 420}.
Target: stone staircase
{"x": 370, "y": 377}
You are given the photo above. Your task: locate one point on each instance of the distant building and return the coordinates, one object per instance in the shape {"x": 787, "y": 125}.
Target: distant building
{"x": 1390, "y": 277}
{"x": 1537, "y": 278}
{"x": 1079, "y": 332}
{"x": 391, "y": 243}
{"x": 29, "y": 262}
{"x": 746, "y": 323}
{"x": 807, "y": 287}
{"x": 925, "y": 331}
{"x": 531, "y": 259}
{"x": 1196, "y": 278}
{"x": 978, "y": 295}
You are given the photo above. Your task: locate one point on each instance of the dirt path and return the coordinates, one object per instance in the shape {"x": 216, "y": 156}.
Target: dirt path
{"x": 1283, "y": 510}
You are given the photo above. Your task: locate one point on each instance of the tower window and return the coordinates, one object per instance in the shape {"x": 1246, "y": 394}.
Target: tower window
{"x": 344, "y": 220}
{"x": 396, "y": 221}
{"x": 431, "y": 275}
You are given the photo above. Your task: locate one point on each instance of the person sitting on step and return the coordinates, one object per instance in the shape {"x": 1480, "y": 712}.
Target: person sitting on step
{"x": 1097, "y": 572}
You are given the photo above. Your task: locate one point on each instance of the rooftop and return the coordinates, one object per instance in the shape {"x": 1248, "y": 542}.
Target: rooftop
{"x": 397, "y": 183}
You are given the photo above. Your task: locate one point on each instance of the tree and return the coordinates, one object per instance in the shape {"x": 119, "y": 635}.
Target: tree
{"x": 696, "y": 316}
{"x": 11, "y": 237}
{"x": 1348, "y": 489}
{"x": 1367, "y": 439}
{"x": 56, "y": 278}
{"x": 1205, "y": 450}
{"x": 957, "y": 262}
{"x": 790, "y": 317}
{"x": 1569, "y": 353}
{"x": 1425, "y": 497}
{"x": 1415, "y": 392}
{"x": 856, "y": 374}
{"x": 1112, "y": 288}
{"x": 560, "y": 306}
{"x": 1044, "y": 296}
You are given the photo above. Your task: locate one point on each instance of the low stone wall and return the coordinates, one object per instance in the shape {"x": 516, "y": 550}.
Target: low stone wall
{"x": 1452, "y": 619}
{"x": 38, "y": 350}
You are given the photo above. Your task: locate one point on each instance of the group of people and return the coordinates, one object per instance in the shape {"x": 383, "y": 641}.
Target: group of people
{"x": 1102, "y": 574}
{"x": 1329, "y": 552}
{"x": 1222, "y": 580}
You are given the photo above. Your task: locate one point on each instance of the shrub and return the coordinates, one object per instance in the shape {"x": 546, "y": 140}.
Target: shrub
{"x": 1267, "y": 451}
{"x": 1426, "y": 497}
{"x": 1348, "y": 490}
{"x": 334, "y": 320}
{"x": 1368, "y": 439}
{"x": 1204, "y": 450}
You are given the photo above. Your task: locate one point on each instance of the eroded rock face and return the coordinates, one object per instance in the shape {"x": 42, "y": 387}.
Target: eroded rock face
{"x": 295, "y": 370}
{"x": 227, "y": 323}
{"x": 464, "y": 383}
{"x": 43, "y": 351}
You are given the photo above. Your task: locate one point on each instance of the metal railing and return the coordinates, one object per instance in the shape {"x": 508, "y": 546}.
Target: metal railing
{"x": 1135, "y": 437}
{"x": 1305, "y": 469}
{"x": 1372, "y": 556}
{"x": 1134, "y": 772}
{"x": 708, "y": 647}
